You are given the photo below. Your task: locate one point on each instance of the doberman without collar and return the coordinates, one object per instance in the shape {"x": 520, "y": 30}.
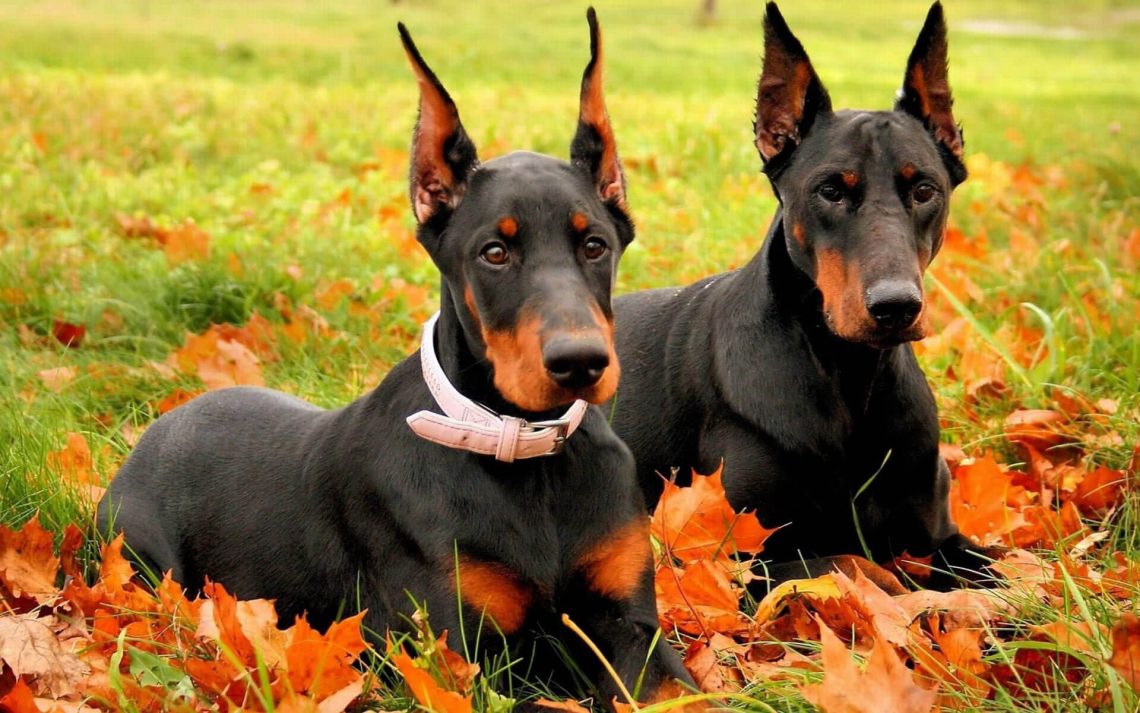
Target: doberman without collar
{"x": 796, "y": 370}
{"x": 326, "y": 511}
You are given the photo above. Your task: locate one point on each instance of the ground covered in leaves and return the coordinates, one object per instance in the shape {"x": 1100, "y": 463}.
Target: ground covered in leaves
{"x": 200, "y": 198}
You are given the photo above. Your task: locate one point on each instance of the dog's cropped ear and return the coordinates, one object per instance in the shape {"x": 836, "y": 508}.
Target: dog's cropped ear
{"x": 443, "y": 156}
{"x": 925, "y": 93}
{"x": 790, "y": 95}
{"x": 593, "y": 147}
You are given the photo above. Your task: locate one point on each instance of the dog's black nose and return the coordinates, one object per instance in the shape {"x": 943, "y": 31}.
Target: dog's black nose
{"x": 575, "y": 362}
{"x": 894, "y": 303}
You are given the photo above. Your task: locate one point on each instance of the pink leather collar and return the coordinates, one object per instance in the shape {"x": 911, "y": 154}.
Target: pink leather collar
{"x": 472, "y": 427}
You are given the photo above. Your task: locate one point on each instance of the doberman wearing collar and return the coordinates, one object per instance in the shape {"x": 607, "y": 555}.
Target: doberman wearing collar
{"x": 797, "y": 369}
{"x": 502, "y": 502}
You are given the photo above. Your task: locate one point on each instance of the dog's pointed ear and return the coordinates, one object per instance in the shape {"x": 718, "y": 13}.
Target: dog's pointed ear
{"x": 790, "y": 95}
{"x": 593, "y": 147}
{"x": 443, "y": 156}
{"x": 925, "y": 93}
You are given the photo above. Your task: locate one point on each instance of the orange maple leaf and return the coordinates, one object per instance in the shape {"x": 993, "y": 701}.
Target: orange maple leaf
{"x": 28, "y": 566}
{"x": 885, "y": 685}
{"x": 1099, "y": 490}
{"x": 425, "y": 689}
{"x": 979, "y": 501}
{"x": 696, "y": 522}
{"x": 323, "y": 664}
{"x": 75, "y": 465}
{"x": 186, "y": 242}
{"x": 217, "y": 361}
{"x": 698, "y": 599}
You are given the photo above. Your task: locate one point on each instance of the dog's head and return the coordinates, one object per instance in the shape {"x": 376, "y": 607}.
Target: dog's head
{"x": 528, "y": 245}
{"x": 865, "y": 194}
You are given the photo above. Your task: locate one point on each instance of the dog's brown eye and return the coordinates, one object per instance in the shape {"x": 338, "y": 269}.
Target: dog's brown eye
{"x": 924, "y": 193}
{"x": 830, "y": 193}
{"x": 495, "y": 254}
{"x": 594, "y": 248}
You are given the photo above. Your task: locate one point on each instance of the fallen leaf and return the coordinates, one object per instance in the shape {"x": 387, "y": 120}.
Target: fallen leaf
{"x": 822, "y": 587}
{"x": 176, "y": 398}
{"x": 57, "y": 378}
{"x": 979, "y": 501}
{"x": 886, "y": 684}
{"x": 698, "y": 599}
{"x": 28, "y": 566}
{"x": 710, "y": 676}
{"x": 696, "y": 522}
{"x": 185, "y": 243}
{"x": 1126, "y": 649}
{"x": 19, "y": 699}
{"x": 68, "y": 334}
{"x": 324, "y": 664}
{"x": 74, "y": 463}
{"x": 1099, "y": 491}
{"x": 572, "y": 706}
{"x": 1040, "y": 428}
{"x": 218, "y": 362}
{"x": 1077, "y": 636}
{"x": 29, "y": 648}
{"x": 426, "y": 690}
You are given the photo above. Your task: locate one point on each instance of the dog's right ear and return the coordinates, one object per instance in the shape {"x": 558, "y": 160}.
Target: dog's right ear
{"x": 790, "y": 95}
{"x": 443, "y": 156}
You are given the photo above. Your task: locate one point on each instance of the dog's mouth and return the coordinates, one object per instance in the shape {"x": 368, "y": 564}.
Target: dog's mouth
{"x": 539, "y": 372}
{"x": 869, "y": 332}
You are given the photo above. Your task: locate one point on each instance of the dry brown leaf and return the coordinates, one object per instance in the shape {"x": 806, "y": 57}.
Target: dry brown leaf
{"x": 30, "y": 648}
{"x": 1071, "y": 635}
{"x": 961, "y": 608}
{"x": 57, "y": 379}
{"x": 1039, "y": 428}
{"x": 888, "y": 618}
{"x": 886, "y": 684}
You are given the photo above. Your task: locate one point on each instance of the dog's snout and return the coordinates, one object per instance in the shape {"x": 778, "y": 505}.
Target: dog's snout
{"x": 576, "y": 362}
{"x": 894, "y": 304}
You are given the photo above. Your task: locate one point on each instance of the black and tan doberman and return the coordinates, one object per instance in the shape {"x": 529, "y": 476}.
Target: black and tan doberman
{"x": 460, "y": 478}
{"x": 797, "y": 369}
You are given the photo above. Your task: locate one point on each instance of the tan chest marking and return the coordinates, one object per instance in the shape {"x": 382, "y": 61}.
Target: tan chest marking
{"x": 616, "y": 565}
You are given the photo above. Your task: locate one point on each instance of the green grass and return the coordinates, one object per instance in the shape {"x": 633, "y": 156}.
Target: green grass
{"x": 253, "y": 118}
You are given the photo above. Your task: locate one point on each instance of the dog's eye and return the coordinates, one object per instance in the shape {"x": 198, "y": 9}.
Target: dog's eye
{"x": 830, "y": 193}
{"x": 923, "y": 193}
{"x": 594, "y": 248}
{"x": 495, "y": 254}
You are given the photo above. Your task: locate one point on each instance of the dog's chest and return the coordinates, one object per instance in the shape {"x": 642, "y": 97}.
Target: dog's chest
{"x": 542, "y": 546}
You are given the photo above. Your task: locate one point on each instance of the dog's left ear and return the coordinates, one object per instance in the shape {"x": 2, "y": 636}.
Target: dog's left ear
{"x": 593, "y": 147}
{"x": 925, "y": 93}
{"x": 443, "y": 155}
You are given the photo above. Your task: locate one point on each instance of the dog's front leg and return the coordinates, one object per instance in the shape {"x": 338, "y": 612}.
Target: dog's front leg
{"x": 613, "y": 606}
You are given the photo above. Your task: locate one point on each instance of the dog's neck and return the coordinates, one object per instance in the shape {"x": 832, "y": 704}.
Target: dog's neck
{"x": 461, "y": 353}
{"x": 793, "y": 295}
